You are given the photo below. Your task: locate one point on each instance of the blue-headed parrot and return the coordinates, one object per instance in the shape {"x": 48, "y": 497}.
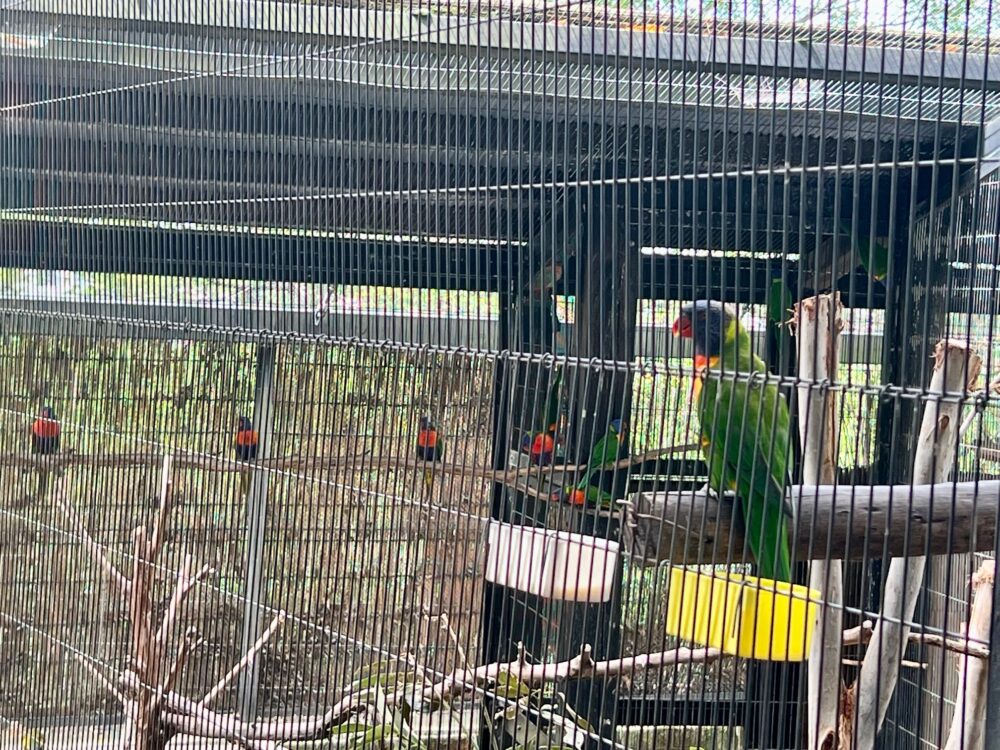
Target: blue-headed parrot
{"x": 744, "y": 428}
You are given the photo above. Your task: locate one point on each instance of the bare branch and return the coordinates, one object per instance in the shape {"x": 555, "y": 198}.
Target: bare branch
{"x": 862, "y": 634}
{"x": 163, "y": 510}
{"x": 327, "y": 463}
{"x": 185, "y": 583}
{"x": 904, "y": 663}
{"x": 245, "y": 661}
{"x": 96, "y": 550}
{"x": 202, "y": 722}
{"x": 105, "y": 682}
{"x": 192, "y": 641}
{"x": 692, "y": 528}
{"x": 968, "y": 725}
{"x": 582, "y": 665}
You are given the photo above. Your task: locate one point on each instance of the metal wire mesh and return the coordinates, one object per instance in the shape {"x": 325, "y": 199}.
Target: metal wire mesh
{"x": 263, "y": 262}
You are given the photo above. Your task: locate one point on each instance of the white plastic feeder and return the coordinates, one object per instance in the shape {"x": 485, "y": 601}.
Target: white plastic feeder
{"x": 551, "y": 564}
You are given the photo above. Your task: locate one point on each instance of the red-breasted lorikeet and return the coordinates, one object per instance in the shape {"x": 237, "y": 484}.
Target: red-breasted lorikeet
{"x": 45, "y": 432}
{"x": 245, "y": 447}
{"x": 430, "y": 447}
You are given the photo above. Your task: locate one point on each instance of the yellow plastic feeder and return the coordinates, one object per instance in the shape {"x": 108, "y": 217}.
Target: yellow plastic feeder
{"x": 754, "y": 618}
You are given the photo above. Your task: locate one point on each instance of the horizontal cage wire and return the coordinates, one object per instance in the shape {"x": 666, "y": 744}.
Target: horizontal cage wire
{"x": 499, "y": 374}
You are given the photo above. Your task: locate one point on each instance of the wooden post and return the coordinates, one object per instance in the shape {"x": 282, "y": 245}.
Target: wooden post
{"x": 955, "y": 365}
{"x": 818, "y": 325}
{"x": 969, "y": 721}
{"x": 604, "y": 329}
{"x": 253, "y": 586}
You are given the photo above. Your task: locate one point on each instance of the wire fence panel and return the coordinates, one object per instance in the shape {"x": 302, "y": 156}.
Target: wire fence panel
{"x": 499, "y": 375}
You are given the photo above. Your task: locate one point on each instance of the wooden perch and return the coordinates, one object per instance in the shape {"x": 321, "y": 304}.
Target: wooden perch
{"x": 817, "y": 325}
{"x": 248, "y": 657}
{"x": 956, "y": 367}
{"x": 313, "y": 463}
{"x": 862, "y": 634}
{"x": 692, "y": 528}
{"x": 580, "y": 666}
{"x": 968, "y": 724}
{"x": 463, "y": 681}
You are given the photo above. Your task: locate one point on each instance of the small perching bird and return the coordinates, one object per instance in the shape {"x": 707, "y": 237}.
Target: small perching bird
{"x": 608, "y": 450}
{"x": 245, "y": 447}
{"x": 45, "y": 432}
{"x": 743, "y": 429}
{"x": 430, "y": 447}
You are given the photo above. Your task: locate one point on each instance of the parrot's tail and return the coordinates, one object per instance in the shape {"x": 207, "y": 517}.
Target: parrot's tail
{"x": 774, "y": 560}
{"x": 768, "y": 540}
{"x": 428, "y": 480}
{"x": 244, "y": 482}
{"x": 43, "y": 484}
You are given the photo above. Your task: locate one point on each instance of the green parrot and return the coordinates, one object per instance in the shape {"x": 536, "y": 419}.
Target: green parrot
{"x": 779, "y": 305}
{"x": 549, "y": 416}
{"x": 743, "y": 429}
{"x": 607, "y": 450}
{"x": 841, "y": 255}
{"x": 588, "y": 495}
{"x": 874, "y": 259}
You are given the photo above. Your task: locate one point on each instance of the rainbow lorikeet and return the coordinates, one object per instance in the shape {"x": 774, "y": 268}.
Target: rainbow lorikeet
{"x": 608, "y": 449}
{"x": 430, "y": 447}
{"x": 245, "y": 447}
{"x": 45, "y": 434}
{"x": 744, "y": 429}
{"x": 541, "y": 445}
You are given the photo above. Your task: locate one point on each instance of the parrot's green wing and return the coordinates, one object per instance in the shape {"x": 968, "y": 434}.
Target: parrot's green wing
{"x": 873, "y": 256}
{"x": 550, "y": 414}
{"x": 744, "y": 429}
{"x": 604, "y": 452}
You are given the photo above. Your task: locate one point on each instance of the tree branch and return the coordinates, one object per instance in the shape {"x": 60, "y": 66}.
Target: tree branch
{"x": 326, "y": 463}
{"x": 580, "y": 666}
{"x": 96, "y": 550}
{"x": 185, "y": 583}
{"x": 192, "y": 641}
{"x": 968, "y": 724}
{"x": 862, "y": 522}
{"x": 862, "y": 634}
{"x": 247, "y": 658}
{"x": 163, "y": 510}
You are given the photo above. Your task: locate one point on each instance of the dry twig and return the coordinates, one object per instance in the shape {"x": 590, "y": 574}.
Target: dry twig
{"x": 861, "y": 634}
{"x": 248, "y": 657}
{"x": 96, "y": 550}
